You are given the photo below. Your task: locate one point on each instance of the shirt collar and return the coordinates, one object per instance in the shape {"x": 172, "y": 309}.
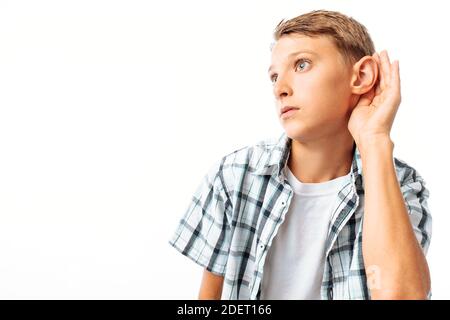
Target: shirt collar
{"x": 280, "y": 154}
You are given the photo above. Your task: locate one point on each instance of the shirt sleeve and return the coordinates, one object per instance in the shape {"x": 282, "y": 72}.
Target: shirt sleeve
{"x": 203, "y": 233}
{"x": 416, "y": 197}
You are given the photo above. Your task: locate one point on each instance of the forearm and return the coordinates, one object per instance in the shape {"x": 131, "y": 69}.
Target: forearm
{"x": 391, "y": 252}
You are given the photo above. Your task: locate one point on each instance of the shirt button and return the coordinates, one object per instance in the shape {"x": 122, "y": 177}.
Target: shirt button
{"x": 261, "y": 246}
{"x": 283, "y": 203}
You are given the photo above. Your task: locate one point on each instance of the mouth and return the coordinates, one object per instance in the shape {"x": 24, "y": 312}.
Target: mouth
{"x": 288, "y": 111}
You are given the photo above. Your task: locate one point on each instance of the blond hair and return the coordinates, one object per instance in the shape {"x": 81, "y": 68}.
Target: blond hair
{"x": 350, "y": 37}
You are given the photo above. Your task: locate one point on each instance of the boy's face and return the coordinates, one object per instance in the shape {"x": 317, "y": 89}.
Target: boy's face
{"x": 310, "y": 74}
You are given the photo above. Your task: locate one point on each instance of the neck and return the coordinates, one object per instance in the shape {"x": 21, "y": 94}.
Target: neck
{"x": 323, "y": 159}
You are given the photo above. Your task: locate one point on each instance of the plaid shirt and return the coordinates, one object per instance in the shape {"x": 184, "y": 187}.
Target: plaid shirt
{"x": 242, "y": 200}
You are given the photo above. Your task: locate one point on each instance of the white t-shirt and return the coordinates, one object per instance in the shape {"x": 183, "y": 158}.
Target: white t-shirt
{"x": 295, "y": 261}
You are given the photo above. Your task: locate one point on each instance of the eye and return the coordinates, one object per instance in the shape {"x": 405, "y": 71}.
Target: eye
{"x": 300, "y": 62}
{"x": 303, "y": 61}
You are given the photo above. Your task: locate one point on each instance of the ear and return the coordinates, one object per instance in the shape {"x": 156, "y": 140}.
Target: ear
{"x": 364, "y": 75}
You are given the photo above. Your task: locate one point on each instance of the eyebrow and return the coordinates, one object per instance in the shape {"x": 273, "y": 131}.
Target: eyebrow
{"x": 293, "y": 54}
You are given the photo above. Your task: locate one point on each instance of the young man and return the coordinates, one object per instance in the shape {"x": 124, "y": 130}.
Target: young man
{"x": 325, "y": 211}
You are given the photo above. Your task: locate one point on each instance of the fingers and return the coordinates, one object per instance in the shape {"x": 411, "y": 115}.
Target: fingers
{"x": 395, "y": 79}
{"x": 388, "y": 73}
{"x": 385, "y": 69}
{"x": 389, "y": 78}
{"x": 377, "y": 84}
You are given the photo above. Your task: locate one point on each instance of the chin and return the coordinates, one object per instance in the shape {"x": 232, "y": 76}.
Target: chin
{"x": 298, "y": 131}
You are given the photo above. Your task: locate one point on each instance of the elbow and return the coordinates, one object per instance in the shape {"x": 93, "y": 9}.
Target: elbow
{"x": 407, "y": 288}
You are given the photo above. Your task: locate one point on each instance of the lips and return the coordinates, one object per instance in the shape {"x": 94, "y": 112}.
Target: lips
{"x": 287, "y": 108}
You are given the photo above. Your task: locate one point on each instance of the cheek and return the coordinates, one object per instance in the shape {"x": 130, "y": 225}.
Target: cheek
{"x": 333, "y": 92}
{"x": 320, "y": 96}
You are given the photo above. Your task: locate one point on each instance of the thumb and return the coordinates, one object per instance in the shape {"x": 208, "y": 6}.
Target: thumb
{"x": 366, "y": 98}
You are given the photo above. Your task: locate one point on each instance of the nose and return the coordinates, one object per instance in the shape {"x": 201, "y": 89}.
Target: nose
{"x": 282, "y": 87}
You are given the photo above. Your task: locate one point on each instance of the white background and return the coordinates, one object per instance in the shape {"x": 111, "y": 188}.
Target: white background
{"x": 112, "y": 111}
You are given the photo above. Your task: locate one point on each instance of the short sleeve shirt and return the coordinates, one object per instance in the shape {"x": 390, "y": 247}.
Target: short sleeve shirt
{"x": 240, "y": 203}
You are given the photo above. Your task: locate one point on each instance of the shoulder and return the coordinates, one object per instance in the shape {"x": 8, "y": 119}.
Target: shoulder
{"x": 251, "y": 156}
{"x": 410, "y": 180}
{"x": 406, "y": 173}
{"x": 243, "y": 160}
